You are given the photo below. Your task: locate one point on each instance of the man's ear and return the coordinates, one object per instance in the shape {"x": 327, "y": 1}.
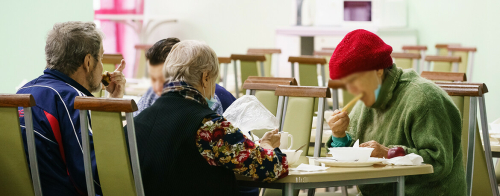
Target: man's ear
{"x": 87, "y": 63}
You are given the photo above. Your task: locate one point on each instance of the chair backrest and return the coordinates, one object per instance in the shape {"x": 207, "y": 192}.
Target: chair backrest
{"x": 308, "y": 69}
{"x": 258, "y": 79}
{"x": 407, "y": 60}
{"x": 442, "y": 49}
{"x": 418, "y": 49}
{"x": 225, "y": 62}
{"x": 296, "y": 111}
{"x": 324, "y": 53}
{"x": 140, "y": 62}
{"x": 16, "y": 176}
{"x": 335, "y": 86}
{"x": 119, "y": 172}
{"x": 480, "y": 175}
{"x": 268, "y": 53}
{"x": 327, "y": 54}
{"x": 250, "y": 65}
{"x": 444, "y": 76}
{"x": 264, "y": 91}
{"x": 109, "y": 61}
{"x": 443, "y": 63}
{"x": 413, "y": 48}
{"x": 467, "y": 55}
{"x": 328, "y": 48}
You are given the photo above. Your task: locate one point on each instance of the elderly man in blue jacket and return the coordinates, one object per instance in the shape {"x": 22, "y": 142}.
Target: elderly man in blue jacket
{"x": 73, "y": 52}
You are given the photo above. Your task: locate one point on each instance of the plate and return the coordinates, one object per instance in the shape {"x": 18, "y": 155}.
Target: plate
{"x": 335, "y": 163}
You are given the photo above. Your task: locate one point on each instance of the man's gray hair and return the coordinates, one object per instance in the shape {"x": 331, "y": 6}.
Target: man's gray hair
{"x": 68, "y": 43}
{"x": 188, "y": 60}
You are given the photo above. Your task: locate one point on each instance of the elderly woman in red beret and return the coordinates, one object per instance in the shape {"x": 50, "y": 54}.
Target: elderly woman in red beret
{"x": 398, "y": 109}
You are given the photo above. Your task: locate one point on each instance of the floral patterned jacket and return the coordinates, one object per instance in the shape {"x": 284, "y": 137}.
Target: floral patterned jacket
{"x": 222, "y": 144}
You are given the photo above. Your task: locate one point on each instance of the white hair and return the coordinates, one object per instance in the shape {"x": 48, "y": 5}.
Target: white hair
{"x": 188, "y": 60}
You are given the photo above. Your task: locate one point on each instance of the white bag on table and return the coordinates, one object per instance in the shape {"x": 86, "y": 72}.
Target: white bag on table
{"x": 247, "y": 113}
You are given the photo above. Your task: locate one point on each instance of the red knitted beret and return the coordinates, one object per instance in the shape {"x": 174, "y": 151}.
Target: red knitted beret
{"x": 360, "y": 50}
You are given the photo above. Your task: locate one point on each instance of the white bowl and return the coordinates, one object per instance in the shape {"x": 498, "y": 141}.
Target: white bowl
{"x": 292, "y": 156}
{"x": 351, "y": 153}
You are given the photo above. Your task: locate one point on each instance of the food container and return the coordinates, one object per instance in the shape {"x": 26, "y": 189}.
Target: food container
{"x": 351, "y": 153}
{"x": 291, "y": 156}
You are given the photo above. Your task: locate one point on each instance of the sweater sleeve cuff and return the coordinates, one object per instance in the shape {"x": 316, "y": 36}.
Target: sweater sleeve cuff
{"x": 341, "y": 142}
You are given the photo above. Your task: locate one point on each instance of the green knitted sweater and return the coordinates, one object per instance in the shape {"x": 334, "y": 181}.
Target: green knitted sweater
{"x": 417, "y": 115}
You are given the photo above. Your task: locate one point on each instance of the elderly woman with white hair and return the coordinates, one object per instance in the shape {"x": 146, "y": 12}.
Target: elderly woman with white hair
{"x": 185, "y": 148}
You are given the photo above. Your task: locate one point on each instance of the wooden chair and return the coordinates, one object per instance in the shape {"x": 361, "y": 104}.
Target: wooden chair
{"x": 467, "y": 56}
{"x": 119, "y": 172}
{"x": 263, "y": 89}
{"x": 327, "y": 54}
{"x": 443, "y": 63}
{"x": 248, "y": 64}
{"x": 442, "y": 49}
{"x": 328, "y": 48}
{"x": 335, "y": 85}
{"x": 224, "y": 62}
{"x": 444, "y": 76}
{"x": 418, "y": 49}
{"x": 109, "y": 62}
{"x": 308, "y": 66}
{"x": 407, "y": 60}
{"x": 480, "y": 174}
{"x": 140, "y": 69}
{"x": 296, "y": 117}
{"x": 258, "y": 79}
{"x": 324, "y": 53}
{"x": 16, "y": 176}
{"x": 268, "y": 64}
{"x": 346, "y": 96}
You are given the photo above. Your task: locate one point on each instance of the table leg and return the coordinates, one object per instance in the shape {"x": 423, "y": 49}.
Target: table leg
{"x": 311, "y": 192}
{"x": 288, "y": 190}
{"x": 399, "y": 187}
{"x": 344, "y": 191}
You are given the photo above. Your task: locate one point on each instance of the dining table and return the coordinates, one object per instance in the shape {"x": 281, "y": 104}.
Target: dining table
{"x": 340, "y": 176}
{"x": 495, "y": 151}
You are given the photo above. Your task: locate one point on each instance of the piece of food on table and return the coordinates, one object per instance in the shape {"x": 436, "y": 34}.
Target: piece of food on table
{"x": 106, "y": 78}
{"x": 396, "y": 152}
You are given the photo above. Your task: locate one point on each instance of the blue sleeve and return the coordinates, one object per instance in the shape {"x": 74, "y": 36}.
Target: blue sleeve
{"x": 146, "y": 100}
{"x": 226, "y": 98}
{"x": 341, "y": 142}
{"x": 217, "y": 107}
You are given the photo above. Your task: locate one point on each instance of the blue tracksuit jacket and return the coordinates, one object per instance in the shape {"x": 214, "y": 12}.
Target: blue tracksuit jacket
{"x": 57, "y": 134}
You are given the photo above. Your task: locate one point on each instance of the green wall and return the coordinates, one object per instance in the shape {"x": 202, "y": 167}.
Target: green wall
{"x": 24, "y": 26}
{"x": 471, "y": 23}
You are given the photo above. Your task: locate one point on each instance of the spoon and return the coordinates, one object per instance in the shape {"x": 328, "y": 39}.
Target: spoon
{"x": 301, "y": 147}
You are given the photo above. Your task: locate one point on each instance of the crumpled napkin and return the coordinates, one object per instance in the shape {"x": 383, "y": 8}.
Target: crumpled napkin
{"x": 409, "y": 159}
{"x": 309, "y": 168}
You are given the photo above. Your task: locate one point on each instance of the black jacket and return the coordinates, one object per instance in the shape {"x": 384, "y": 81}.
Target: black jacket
{"x": 169, "y": 158}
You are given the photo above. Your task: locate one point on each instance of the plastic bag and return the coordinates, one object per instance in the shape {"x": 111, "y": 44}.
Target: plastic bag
{"x": 247, "y": 113}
